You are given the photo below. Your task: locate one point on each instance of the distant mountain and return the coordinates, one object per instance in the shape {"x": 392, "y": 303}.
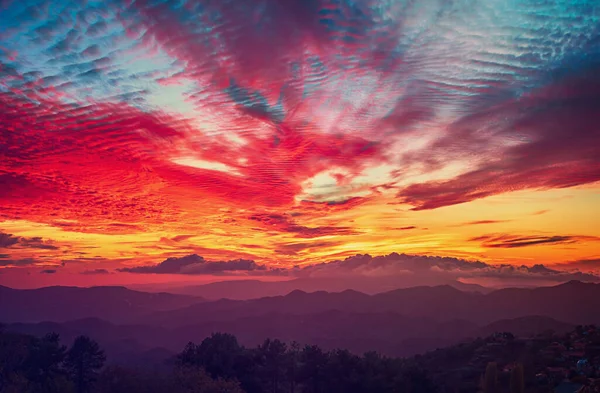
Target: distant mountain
{"x": 294, "y": 303}
{"x": 254, "y": 289}
{"x": 526, "y": 326}
{"x": 440, "y": 303}
{"x": 125, "y": 345}
{"x": 400, "y": 322}
{"x": 59, "y": 304}
{"x": 388, "y": 333}
{"x": 573, "y": 302}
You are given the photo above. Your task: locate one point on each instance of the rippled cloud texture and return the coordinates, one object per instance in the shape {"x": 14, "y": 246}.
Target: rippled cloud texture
{"x": 293, "y": 132}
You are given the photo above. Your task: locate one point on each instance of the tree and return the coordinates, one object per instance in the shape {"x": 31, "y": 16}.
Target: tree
{"x": 272, "y": 355}
{"x": 292, "y": 360}
{"x": 84, "y": 360}
{"x": 43, "y": 366}
{"x": 314, "y": 361}
{"x": 490, "y": 379}
{"x": 517, "y": 379}
{"x": 344, "y": 372}
{"x": 416, "y": 380}
{"x": 196, "y": 380}
{"x": 14, "y": 352}
{"x": 189, "y": 356}
{"x": 218, "y": 354}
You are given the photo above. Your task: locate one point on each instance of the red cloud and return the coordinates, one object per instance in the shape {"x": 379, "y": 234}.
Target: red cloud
{"x": 284, "y": 223}
{"x": 557, "y": 145}
{"x": 517, "y": 241}
{"x": 109, "y": 166}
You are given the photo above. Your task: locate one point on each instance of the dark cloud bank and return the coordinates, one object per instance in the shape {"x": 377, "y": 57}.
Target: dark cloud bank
{"x": 401, "y": 266}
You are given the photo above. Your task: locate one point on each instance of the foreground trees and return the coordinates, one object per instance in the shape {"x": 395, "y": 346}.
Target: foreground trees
{"x": 275, "y": 367}
{"x": 217, "y": 365}
{"x": 29, "y": 364}
{"x": 83, "y": 361}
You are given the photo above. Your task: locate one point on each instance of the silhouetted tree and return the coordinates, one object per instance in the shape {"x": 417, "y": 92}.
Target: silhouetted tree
{"x": 378, "y": 374}
{"x": 43, "y": 367}
{"x": 313, "y": 361}
{"x": 84, "y": 360}
{"x": 292, "y": 361}
{"x": 490, "y": 379}
{"x": 272, "y": 354}
{"x": 14, "y": 350}
{"x": 517, "y": 379}
{"x": 114, "y": 379}
{"x": 32, "y": 365}
{"x": 196, "y": 380}
{"x": 189, "y": 356}
{"x": 416, "y": 380}
{"x": 344, "y": 372}
{"x": 218, "y": 355}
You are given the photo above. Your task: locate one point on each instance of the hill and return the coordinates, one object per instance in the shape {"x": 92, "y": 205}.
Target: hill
{"x": 255, "y": 289}
{"x": 526, "y": 326}
{"x": 572, "y": 302}
{"x": 60, "y": 303}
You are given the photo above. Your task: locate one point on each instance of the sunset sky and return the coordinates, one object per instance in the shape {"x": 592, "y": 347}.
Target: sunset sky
{"x": 266, "y": 134}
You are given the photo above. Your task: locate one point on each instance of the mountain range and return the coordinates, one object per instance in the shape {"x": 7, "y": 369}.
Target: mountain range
{"x": 143, "y": 327}
{"x": 254, "y": 289}
{"x": 59, "y": 303}
{"x": 573, "y": 302}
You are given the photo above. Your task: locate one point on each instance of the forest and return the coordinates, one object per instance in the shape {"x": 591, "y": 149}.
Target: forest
{"x": 219, "y": 364}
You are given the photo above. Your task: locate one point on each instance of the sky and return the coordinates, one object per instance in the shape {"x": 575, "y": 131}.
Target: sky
{"x": 154, "y": 141}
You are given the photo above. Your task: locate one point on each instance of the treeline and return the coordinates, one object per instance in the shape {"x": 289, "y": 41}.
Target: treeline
{"x": 490, "y": 384}
{"x": 30, "y": 364}
{"x": 217, "y": 365}
{"x": 274, "y": 367}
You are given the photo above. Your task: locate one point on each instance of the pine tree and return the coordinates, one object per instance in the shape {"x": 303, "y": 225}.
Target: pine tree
{"x": 84, "y": 360}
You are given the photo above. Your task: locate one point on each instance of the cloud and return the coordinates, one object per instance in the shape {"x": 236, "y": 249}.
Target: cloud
{"x": 294, "y": 248}
{"x": 95, "y": 272}
{"x": 7, "y": 240}
{"x": 194, "y": 264}
{"x": 517, "y": 241}
{"x": 584, "y": 265}
{"x": 558, "y": 145}
{"x": 391, "y": 268}
{"x": 84, "y": 260}
{"x": 10, "y": 241}
{"x": 540, "y": 212}
{"x": 19, "y": 262}
{"x": 483, "y": 222}
{"x": 284, "y": 223}
{"x": 180, "y": 238}
{"x": 434, "y": 269}
{"x": 37, "y": 242}
{"x": 48, "y": 271}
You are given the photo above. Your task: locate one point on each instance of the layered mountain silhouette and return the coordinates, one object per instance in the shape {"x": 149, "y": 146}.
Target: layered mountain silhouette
{"x": 574, "y": 302}
{"x": 254, "y": 289}
{"x": 526, "y": 326}
{"x": 139, "y": 327}
{"x": 60, "y": 303}
{"x": 387, "y": 333}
